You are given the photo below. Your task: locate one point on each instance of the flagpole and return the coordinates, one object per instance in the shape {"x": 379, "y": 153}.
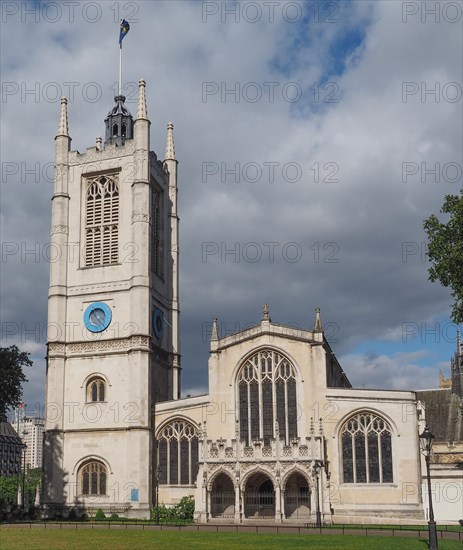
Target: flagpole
{"x": 120, "y": 68}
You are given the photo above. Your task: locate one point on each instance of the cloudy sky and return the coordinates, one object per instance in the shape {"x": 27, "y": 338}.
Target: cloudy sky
{"x": 313, "y": 139}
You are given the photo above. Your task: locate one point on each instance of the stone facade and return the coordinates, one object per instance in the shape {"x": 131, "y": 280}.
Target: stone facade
{"x": 292, "y": 470}
{"x": 444, "y": 413}
{"x": 281, "y": 436}
{"x": 113, "y": 347}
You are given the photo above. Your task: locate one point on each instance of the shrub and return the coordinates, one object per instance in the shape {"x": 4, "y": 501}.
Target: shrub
{"x": 183, "y": 511}
{"x": 99, "y": 515}
{"x": 114, "y": 516}
{"x": 185, "y": 508}
{"x": 165, "y": 513}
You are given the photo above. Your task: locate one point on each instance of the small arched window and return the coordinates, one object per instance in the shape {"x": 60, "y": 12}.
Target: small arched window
{"x": 115, "y": 130}
{"x": 96, "y": 390}
{"x": 366, "y": 449}
{"x": 92, "y": 478}
{"x": 178, "y": 453}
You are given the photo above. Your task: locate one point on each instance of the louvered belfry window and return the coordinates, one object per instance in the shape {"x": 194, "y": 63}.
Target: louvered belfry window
{"x": 102, "y": 221}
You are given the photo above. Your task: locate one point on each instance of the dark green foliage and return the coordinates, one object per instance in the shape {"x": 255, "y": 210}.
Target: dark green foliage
{"x": 445, "y": 251}
{"x": 114, "y": 516}
{"x": 12, "y": 362}
{"x": 185, "y": 508}
{"x": 100, "y": 515}
{"x": 183, "y": 511}
{"x": 32, "y": 479}
{"x": 8, "y": 491}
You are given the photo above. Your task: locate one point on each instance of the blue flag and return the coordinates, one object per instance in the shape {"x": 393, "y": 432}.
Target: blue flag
{"x": 125, "y": 27}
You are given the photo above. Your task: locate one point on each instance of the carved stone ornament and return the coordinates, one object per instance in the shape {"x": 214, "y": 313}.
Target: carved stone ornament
{"x": 56, "y": 348}
{"x": 110, "y": 152}
{"x": 60, "y": 229}
{"x": 108, "y": 345}
{"x": 139, "y": 217}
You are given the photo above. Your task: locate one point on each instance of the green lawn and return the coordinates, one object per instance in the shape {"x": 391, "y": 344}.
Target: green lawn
{"x": 63, "y": 539}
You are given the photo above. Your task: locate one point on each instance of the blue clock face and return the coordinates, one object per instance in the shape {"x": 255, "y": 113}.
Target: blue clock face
{"x": 158, "y": 323}
{"x": 97, "y": 317}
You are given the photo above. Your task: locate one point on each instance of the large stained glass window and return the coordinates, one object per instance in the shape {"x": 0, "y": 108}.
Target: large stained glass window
{"x": 178, "y": 453}
{"x": 267, "y": 392}
{"x": 366, "y": 449}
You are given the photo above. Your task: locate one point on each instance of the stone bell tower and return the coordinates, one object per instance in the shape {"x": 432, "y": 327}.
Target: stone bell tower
{"x": 113, "y": 314}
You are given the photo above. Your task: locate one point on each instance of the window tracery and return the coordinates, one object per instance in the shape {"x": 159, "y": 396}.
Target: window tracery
{"x": 101, "y": 221}
{"x": 92, "y": 476}
{"x": 267, "y": 393}
{"x": 178, "y": 453}
{"x": 366, "y": 441}
{"x": 96, "y": 390}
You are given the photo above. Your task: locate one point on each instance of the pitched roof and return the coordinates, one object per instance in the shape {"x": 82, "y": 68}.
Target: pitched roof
{"x": 443, "y": 415}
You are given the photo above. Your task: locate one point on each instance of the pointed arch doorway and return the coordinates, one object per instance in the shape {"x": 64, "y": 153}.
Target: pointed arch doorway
{"x": 259, "y": 497}
{"x": 223, "y": 497}
{"x": 297, "y": 497}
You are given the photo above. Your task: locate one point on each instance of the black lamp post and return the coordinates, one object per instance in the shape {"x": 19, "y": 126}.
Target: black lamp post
{"x": 426, "y": 439}
{"x": 20, "y": 496}
{"x": 316, "y": 470}
{"x": 23, "y": 476}
{"x": 156, "y": 513}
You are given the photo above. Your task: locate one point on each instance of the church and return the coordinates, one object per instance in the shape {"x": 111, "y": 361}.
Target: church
{"x": 281, "y": 437}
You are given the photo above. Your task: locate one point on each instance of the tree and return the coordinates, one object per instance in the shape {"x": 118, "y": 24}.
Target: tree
{"x": 445, "y": 251}
{"x": 33, "y": 478}
{"x": 12, "y": 362}
{"x": 8, "y": 491}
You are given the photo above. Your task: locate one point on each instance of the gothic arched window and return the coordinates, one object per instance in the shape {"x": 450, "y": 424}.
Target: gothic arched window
{"x": 366, "y": 449}
{"x": 96, "y": 390}
{"x": 101, "y": 221}
{"x": 178, "y": 453}
{"x": 267, "y": 393}
{"x": 92, "y": 478}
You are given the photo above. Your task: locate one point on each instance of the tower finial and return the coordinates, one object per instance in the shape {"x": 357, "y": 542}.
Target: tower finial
{"x": 142, "y": 111}
{"x": 266, "y": 316}
{"x": 318, "y": 322}
{"x": 215, "y": 331}
{"x": 459, "y": 351}
{"x": 170, "y": 148}
{"x": 63, "y": 129}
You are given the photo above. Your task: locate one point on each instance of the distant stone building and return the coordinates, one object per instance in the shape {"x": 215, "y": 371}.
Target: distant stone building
{"x": 10, "y": 450}
{"x": 444, "y": 416}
